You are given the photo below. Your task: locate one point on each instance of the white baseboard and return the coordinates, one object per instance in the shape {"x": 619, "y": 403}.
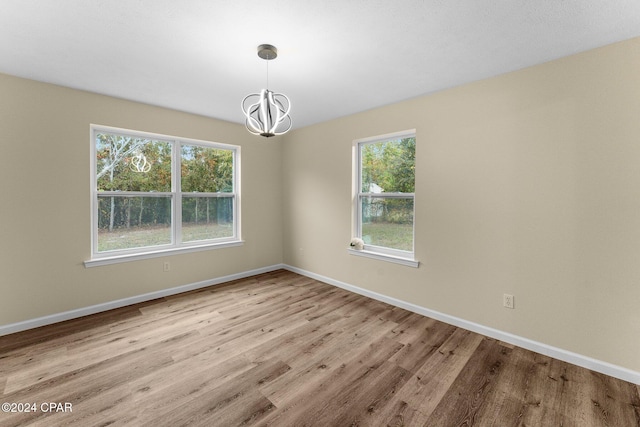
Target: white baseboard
{"x": 73, "y": 314}
{"x": 557, "y": 353}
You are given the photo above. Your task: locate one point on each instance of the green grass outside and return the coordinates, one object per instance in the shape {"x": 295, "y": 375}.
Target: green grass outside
{"x": 389, "y": 235}
{"x": 159, "y": 235}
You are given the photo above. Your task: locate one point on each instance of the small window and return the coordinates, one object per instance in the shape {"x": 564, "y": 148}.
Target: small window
{"x": 384, "y": 196}
{"x": 157, "y": 193}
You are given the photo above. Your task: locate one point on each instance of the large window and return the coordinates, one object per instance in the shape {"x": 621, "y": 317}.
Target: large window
{"x": 153, "y": 193}
{"x": 384, "y": 194}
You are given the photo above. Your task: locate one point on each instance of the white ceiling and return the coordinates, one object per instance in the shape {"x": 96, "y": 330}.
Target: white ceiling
{"x": 336, "y": 57}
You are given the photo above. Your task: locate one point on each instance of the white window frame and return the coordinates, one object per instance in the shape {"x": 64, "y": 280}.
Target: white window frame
{"x": 176, "y": 246}
{"x": 372, "y": 251}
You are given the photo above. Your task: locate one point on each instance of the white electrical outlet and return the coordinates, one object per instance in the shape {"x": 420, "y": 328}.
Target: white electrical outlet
{"x": 507, "y": 301}
{"x": 166, "y": 266}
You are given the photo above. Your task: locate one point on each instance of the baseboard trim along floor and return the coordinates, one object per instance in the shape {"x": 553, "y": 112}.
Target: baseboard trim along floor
{"x": 557, "y": 353}
{"x": 98, "y": 308}
{"x": 547, "y": 350}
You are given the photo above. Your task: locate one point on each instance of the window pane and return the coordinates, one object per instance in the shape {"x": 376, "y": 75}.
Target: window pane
{"x": 388, "y": 166}
{"x": 205, "y": 218}
{"x": 127, "y": 163}
{"x": 388, "y": 222}
{"x": 133, "y": 222}
{"x": 206, "y": 169}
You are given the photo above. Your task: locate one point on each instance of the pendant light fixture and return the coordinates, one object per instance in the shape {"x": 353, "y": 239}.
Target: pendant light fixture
{"x": 267, "y": 113}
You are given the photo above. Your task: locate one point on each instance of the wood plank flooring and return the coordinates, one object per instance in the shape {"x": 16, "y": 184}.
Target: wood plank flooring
{"x": 280, "y": 349}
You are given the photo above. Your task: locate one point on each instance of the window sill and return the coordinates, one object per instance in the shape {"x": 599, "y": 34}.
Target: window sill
{"x": 97, "y": 262}
{"x": 384, "y": 257}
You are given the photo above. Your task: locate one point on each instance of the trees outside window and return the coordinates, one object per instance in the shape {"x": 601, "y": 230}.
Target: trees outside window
{"x": 385, "y": 193}
{"x": 152, "y": 192}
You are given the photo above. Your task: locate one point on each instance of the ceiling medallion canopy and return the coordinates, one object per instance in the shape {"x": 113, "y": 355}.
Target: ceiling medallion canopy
{"x": 267, "y": 113}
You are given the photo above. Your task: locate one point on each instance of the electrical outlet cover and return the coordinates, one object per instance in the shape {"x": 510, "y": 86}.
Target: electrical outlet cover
{"x": 508, "y": 301}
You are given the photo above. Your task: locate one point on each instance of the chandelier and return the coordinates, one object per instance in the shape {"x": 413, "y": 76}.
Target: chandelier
{"x": 267, "y": 113}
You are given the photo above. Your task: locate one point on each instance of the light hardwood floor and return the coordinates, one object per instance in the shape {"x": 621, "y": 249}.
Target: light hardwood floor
{"x": 280, "y": 349}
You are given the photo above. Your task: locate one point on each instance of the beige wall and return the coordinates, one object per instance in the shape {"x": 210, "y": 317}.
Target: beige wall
{"x": 45, "y": 201}
{"x": 527, "y": 183}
